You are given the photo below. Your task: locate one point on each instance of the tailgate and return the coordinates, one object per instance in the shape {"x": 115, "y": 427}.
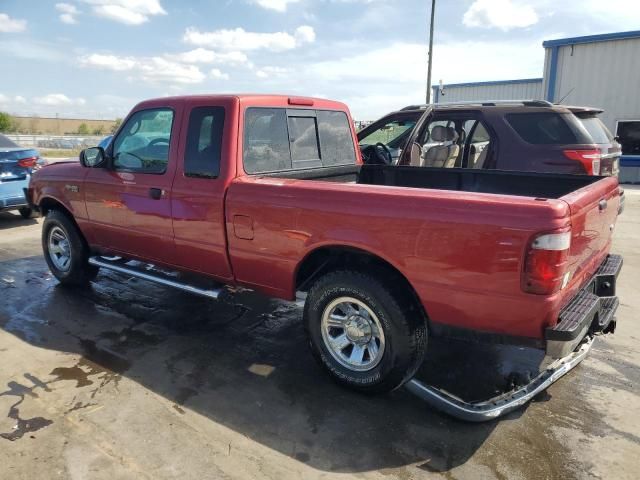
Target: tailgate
{"x": 594, "y": 210}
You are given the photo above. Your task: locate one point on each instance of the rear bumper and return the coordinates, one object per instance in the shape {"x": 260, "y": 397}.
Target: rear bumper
{"x": 12, "y": 202}
{"x": 592, "y": 310}
{"x": 12, "y": 195}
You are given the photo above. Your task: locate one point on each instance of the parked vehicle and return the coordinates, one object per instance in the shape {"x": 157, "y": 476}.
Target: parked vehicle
{"x": 104, "y": 143}
{"x": 16, "y": 166}
{"x": 268, "y": 193}
{"x": 529, "y": 135}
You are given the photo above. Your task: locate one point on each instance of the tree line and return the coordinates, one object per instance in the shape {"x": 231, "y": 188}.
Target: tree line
{"x": 11, "y": 124}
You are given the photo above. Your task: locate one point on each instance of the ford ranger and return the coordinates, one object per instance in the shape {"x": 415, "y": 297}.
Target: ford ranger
{"x": 269, "y": 193}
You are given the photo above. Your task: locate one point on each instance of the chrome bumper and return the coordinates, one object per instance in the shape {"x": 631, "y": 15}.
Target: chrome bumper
{"x": 497, "y": 406}
{"x": 591, "y": 311}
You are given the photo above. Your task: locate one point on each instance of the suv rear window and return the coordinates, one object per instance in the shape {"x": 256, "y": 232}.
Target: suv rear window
{"x": 599, "y": 133}
{"x": 547, "y": 128}
{"x": 279, "y": 139}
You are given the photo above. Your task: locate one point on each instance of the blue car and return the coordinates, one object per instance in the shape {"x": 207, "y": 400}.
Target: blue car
{"x": 16, "y": 165}
{"x": 104, "y": 143}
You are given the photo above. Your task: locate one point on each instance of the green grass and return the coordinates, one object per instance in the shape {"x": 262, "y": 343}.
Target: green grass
{"x": 59, "y": 153}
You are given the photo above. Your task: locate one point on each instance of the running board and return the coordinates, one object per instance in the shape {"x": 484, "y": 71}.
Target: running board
{"x": 501, "y": 405}
{"x": 153, "y": 276}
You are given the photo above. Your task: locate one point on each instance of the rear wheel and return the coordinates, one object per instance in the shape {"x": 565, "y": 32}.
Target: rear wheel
{"x": 364, "y": 331}
{"x": 65, "y": 251}
{"x": 27, "y": 212}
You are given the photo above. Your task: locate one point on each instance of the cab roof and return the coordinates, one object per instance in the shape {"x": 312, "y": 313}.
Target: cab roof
{"x": 257, "y": 99}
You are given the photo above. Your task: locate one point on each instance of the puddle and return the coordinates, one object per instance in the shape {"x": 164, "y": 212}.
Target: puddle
{"x": 23, "y": 425}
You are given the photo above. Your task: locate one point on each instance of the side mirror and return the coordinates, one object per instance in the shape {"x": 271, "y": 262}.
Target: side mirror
{"x": 92, "y": 157}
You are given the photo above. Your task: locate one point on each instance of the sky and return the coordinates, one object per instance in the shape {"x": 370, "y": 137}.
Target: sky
{"x": 98, "y": 58}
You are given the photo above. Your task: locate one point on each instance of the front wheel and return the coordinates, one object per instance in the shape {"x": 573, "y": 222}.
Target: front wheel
{"x": 65, "y": 251}
{"x": 365, "y": 332}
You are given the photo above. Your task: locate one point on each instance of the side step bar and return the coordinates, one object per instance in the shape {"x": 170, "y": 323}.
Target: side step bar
{"x": 497, "y": 406}
{"x": 154, "y": 276}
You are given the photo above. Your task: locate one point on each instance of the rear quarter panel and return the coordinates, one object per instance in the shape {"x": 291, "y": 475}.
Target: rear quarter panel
{"x": 591, "y": 230}
{"x": 461, "y": 252}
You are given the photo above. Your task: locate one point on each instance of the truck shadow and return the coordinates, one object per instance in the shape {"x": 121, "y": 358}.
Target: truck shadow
{"x": 244, "y": 363}
{"x": 14, "y": 219}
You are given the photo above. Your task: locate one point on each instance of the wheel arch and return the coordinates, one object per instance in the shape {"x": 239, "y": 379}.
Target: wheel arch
{"x": 48, "y": 203}
{"x": 328, "y": 258}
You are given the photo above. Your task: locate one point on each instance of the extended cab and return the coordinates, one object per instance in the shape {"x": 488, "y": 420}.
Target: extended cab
{"x": 268, "y": 192}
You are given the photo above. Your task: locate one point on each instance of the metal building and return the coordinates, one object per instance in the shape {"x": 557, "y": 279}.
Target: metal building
{"x": 601, "y": 71}
{"x": 529, "y": 88}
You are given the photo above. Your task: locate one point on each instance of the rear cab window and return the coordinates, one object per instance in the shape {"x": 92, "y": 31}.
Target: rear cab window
{"x": 282, "y": 139}
{"x": 548, "y": 128}
{"x": 204, "y": 142}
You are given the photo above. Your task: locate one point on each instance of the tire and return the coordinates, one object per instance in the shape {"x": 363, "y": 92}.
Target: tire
{"x": 62, "y": 239}
{"x": 27, "y": 213}
{"x": 401, "y": 337}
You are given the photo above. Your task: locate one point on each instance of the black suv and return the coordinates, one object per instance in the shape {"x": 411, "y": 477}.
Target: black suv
{"x": 528, "y": 135}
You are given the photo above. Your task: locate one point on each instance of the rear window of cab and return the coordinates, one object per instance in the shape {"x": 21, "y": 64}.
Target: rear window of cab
{"x": 280, "y": 139}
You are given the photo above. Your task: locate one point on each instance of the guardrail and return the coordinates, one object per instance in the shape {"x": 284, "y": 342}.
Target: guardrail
{"x": 61, "y": 142}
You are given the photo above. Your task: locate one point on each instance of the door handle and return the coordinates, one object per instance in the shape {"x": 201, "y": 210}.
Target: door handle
{"x": 156, "y": 193}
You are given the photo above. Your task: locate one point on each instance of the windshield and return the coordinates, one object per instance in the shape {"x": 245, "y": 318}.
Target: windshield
{"x": 392, "y": 133}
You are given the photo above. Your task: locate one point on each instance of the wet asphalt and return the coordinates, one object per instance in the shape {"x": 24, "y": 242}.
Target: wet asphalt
{"x": 126, "y": 379}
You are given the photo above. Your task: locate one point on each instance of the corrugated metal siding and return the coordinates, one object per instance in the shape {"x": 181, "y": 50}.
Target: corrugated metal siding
{"x": 602, "y": 74}
{"x": 505, "y": 91}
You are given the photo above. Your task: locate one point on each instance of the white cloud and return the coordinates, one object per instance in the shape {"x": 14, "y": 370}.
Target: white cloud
{"x": 202, "y": 55}
{"x": 268, "y": 72}
{"x": 58, "y": 99}
{"x": 158, "y": 69}
{"x": 239, "y": 39}
{"x": 503, "y": 14}
{"x": 68, "y": 12}
{"x": 11, "y": 25}
{"x": 305, "y": 34}
{"x": 218, "y": 75}
{"x": 277, "y": 5}
{"x": 621, "y": 14}
{"x": 153, "y": 69}
{"x": 109, "y": 62}
{"x": 129, "y": 12}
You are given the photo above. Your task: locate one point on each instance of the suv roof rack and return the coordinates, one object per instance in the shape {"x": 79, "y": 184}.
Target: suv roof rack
{"x": 484, "y": 103}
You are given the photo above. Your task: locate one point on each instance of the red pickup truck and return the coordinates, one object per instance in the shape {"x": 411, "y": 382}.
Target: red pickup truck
{"x": 269, "y": 193}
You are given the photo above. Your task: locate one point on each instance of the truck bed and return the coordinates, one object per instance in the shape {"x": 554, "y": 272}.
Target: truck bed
{"x": 524, "y": 184}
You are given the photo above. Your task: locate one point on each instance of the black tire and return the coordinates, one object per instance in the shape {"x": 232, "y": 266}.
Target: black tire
{"x": 27, "y": 213}
{"x": 403, "y": 324}
{"x": 79, "y": 272}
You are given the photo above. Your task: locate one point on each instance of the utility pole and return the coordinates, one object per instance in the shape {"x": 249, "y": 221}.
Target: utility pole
{"x": 433, "y": 11}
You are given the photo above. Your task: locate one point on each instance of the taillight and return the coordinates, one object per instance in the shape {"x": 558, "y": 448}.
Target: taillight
{"x": 29, "y": 162}
{"x": 590, "y": 159}
{"x": 545, "y": 265}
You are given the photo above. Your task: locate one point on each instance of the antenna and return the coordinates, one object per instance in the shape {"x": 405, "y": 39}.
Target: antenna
{"x": 568, "y": 93}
